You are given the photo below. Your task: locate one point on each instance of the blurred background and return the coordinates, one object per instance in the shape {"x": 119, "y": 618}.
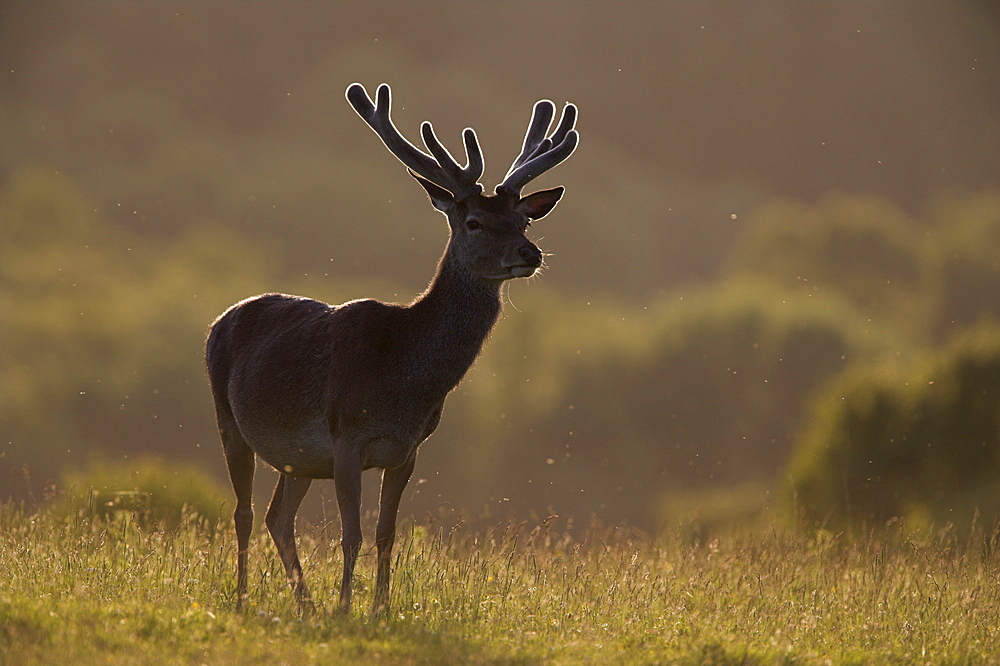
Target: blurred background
{"x": 774, "y": 281}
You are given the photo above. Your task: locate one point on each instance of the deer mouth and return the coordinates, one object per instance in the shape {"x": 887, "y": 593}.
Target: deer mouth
{"x": 518, "y": 271}
{"x": 522, "y": 270}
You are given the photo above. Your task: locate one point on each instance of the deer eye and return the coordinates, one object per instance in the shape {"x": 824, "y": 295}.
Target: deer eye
{"x": 473, "y": 225}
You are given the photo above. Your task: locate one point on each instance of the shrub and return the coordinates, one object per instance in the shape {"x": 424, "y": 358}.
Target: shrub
{"x": 594, "y": 403}
{"x": 967, "y": 236}
{"x": 861, "y": 248}
{"x": 922, "y": 445}
{"x": 103, "y": 330}
{"x": 154, "y": 491}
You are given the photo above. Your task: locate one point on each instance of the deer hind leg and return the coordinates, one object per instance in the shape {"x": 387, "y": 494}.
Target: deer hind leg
{"x": 280, "y": 521}
{"x": 393, "y": 483}
{"x": 241, "y": 460}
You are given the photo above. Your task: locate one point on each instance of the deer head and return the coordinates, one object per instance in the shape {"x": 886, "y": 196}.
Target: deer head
{"x": 487, "y": 230}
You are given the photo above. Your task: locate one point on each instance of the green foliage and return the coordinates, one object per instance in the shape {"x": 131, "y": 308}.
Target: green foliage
{"x": 51, "y": 269}
{"x": 102, "y": 329}
{"x": 925, "y": 445}
{"x": 154, "y": 491}
{"x": 105, "y": 329}
{"x": 81, "y": 591}
{"x": 571, "y": 406}
{"x": 578, "y": 405}
{"x": 863, "y": 249}
{"x": 967, "y": 235}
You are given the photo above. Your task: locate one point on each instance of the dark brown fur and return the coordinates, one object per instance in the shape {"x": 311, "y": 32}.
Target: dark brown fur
{"x": 324, "y": 392}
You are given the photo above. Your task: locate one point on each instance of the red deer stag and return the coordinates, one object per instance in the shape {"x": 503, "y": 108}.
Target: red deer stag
{"x": 325, "y": 391}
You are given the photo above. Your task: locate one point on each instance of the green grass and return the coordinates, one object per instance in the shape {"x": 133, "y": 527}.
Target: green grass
{"x": 81, "y": 590}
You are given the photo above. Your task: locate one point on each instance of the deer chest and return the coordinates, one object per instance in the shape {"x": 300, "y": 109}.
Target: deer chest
{"x": 390, "y": 437}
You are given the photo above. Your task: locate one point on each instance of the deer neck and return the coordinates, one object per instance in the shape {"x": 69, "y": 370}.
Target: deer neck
{"x": 450, "y": 322}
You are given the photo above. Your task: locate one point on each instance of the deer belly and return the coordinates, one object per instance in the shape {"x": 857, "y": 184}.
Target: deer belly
{"x": 305, "y": 451}
{"x": 386, "y": 453}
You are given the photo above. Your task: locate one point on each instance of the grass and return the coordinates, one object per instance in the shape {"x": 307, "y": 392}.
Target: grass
{"x": 89, "y": 590}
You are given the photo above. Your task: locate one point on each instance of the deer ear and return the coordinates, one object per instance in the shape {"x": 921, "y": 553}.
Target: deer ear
{"x": 539, "y": 204}
{"x": 441, "y": 198}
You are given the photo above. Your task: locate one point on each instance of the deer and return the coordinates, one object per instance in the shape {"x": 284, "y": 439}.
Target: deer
{"x": 321, "y": 391}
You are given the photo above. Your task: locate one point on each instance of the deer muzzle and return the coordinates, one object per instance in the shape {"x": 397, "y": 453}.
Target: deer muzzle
{"x": 525, "y": 260}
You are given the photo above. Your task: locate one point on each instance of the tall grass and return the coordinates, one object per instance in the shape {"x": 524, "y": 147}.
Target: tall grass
{"x": 82, "y": 589}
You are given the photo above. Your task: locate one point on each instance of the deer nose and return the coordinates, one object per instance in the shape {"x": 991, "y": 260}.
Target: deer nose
{"x": 531, "y": 254}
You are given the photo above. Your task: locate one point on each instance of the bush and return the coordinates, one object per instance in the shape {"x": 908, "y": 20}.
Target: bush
{"x": 103, "y": 331}
{"x": 864, "y": 249}
{"x": 967, "y": 236}
{"x": 607, "y": 410}
{"x": 924, "y": 445}
{"x": 156, "y": 493}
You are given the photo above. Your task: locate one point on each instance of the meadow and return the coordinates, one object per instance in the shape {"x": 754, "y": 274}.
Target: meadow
{"x": 81, "y": 588}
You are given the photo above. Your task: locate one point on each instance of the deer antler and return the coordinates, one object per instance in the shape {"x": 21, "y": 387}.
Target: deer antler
{"x": 441, "y": 169}
{"x": 540, "y": 153}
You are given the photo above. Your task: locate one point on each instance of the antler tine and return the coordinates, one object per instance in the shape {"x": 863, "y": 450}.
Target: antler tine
{"x": 539, "y": 154}
{"x": 466, "y": 176}
{"x": 474, "y": 156}
{"x": 566, "y": 123}
{"x": 441, "y": 169}
{"x": 541, "y": 118}
{"x": 377, "y": 116}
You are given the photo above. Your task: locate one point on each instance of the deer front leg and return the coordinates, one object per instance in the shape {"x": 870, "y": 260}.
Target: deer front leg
{"x": 393, "y": 482}
{"x": 347, "y": 478}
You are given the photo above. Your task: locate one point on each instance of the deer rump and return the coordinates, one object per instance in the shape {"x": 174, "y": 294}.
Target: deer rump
{"x": 271, "y": 361}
